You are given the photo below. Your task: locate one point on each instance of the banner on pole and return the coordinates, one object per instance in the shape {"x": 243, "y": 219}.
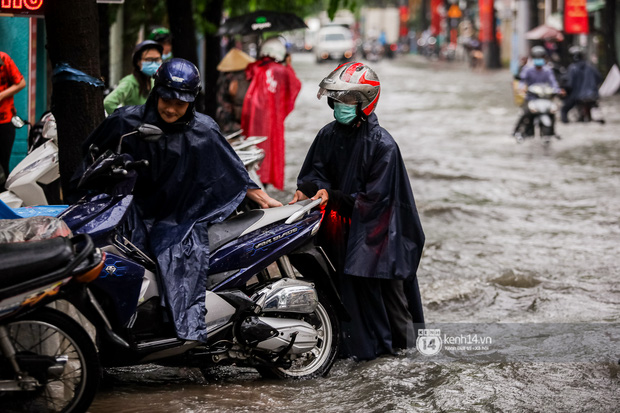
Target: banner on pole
{"x": 576, "y": 17}
{"x": 485, "y": 10}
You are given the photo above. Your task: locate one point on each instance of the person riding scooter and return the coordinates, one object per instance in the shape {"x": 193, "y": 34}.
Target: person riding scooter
{"x": 194, "y": 178}
{"x": 582, "y": 82}
{"x": 535, "y": 72}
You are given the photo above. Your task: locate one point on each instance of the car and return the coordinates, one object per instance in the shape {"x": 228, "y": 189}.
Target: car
{"x": 334, "y": 43}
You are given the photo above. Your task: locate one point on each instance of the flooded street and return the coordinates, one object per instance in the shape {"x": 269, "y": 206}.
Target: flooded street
{"x": 522, "y": 247}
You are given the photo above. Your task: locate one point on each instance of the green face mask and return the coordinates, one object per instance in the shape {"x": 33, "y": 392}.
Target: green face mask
{"x": 344, "y": 113}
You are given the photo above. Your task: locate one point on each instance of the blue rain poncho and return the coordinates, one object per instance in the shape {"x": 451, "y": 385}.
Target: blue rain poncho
{"x": 194, "y": 179}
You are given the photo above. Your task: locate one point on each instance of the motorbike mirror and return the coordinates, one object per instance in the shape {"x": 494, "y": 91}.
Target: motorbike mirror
{"x": 18, "y": 122}
{"x": 150, "y": 133}
{"x": 93, "y": 151}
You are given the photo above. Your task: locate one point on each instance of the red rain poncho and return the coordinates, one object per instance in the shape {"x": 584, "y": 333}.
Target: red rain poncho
{"x": 268, "y": 101}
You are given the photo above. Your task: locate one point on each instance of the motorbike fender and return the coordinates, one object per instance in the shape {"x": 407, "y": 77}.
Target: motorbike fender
{"x": 40, "y": 166}
{"x": 546, "y": 120}
{"x": 314, "y": 265}
{"x": 121, "y": 281}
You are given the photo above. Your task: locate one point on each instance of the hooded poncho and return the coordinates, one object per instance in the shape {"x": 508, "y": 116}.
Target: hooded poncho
{"x": 268, "y": 101}
{"x": 385, "y": 237}
{"x": 194, "y": 179}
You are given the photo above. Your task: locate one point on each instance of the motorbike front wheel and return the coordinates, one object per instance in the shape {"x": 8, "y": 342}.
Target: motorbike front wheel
{"x": 54, "y": 349}
{"x": 546, "y": 133}
{"x": 318, "y": 361}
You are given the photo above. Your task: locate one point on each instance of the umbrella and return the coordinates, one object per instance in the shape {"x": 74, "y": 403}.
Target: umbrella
{"x": 261, "y": 21}
{"x": 544, "y": 32}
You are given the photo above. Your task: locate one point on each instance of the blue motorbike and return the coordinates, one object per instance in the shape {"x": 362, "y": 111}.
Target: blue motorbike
{"x": 271, "y": 303}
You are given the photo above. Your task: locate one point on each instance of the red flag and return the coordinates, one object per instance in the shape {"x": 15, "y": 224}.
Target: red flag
{"x": 575, "y": 17}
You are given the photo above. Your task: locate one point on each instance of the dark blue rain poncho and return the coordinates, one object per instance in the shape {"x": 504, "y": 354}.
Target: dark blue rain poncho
{"x": 194, "y": 179}
{"x": 371, "y": 227}
{"x": 582, "y": 80}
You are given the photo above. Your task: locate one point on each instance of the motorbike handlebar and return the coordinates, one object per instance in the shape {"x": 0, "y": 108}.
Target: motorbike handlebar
{"x": 299, "y": 214}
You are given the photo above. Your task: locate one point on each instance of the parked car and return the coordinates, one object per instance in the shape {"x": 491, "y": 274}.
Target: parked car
{"x": 334, "y": 43}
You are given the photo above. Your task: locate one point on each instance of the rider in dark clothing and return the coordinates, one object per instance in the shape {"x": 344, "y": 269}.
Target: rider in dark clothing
{"x": 371, "y": 230}
{"x": 582, "y": 82}
{"x": 194, "y": 178}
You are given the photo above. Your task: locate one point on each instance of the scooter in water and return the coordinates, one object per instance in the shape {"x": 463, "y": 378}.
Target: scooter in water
{"x": 261, "y": 312}
{"x": 48, "y": 362}
{"x": 36, "y": 179}
{"x": 541, "y": 116}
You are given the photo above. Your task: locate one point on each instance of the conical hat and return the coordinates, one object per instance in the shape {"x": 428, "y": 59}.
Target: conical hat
{"x": 235, "y": 60}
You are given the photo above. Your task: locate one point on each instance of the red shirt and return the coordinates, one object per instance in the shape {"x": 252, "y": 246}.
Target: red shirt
{"x": 9, "y": 76}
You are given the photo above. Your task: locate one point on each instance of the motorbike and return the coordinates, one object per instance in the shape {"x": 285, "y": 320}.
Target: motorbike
{"x": 271, "y": 303}
{"x": 541, "y": 117}
{"x": 36, "y": 179}
{"x": 48, "y": 362}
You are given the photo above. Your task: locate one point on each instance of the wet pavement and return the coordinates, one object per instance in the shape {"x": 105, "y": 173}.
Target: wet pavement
{"x": 516, "y": 233}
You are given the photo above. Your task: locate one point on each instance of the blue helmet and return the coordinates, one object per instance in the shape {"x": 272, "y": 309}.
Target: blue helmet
{"x": 178, "y": 79}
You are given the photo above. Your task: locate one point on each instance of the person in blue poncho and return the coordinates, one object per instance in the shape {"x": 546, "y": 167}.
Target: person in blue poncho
{"x": 582, "y": 82}
{"x": 194, "y": 178}
{"x": 371, "y": 230}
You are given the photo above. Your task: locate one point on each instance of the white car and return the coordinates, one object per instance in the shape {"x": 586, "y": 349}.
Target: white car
{"x": 334, "y": 43}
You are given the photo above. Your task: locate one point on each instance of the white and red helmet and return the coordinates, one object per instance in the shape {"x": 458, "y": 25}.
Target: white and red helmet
{"x": 352, "y": 83}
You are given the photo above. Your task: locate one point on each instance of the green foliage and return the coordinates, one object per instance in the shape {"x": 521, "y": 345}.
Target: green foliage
{"x": 302, "y": 8}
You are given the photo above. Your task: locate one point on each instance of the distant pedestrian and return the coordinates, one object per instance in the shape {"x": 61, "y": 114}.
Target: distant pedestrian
{"x": 11, "y": 82}
{"x": 135, "y": 88}
{"x": 162, "y": 36}
{"x": 270, "y": 98}
{"x": 232, "y": 85}
{"x": 582, "y": 81}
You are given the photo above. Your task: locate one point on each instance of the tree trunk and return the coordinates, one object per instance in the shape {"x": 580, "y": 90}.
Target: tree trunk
{"x": 182, "y": 29}
{"x": 212, "y": 14}
{"x": 72, "y": 38}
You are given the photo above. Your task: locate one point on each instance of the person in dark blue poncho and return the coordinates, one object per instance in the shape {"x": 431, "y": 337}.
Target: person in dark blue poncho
{"x": 194, "y": 178}
{"x": 371, "y": 230}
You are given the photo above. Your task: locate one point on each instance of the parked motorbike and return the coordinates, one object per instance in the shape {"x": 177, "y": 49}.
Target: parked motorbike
{"x": 36, "y": 179}
{"x": 261, "y": 312}
{"x": 248, "y": 151}
{"x": 542, "y": 110}
{"x": 48, "y": 362}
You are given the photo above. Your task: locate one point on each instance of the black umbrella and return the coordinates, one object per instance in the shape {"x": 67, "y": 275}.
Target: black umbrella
{"x": 261, "y": 21}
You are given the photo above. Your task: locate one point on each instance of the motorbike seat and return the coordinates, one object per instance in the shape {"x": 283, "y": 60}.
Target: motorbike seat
{"x": 25, "y": 261}
{"x": 242, "y": 224}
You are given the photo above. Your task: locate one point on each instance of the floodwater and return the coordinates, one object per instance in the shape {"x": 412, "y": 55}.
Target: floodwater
{"x": 521, "y": 254}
